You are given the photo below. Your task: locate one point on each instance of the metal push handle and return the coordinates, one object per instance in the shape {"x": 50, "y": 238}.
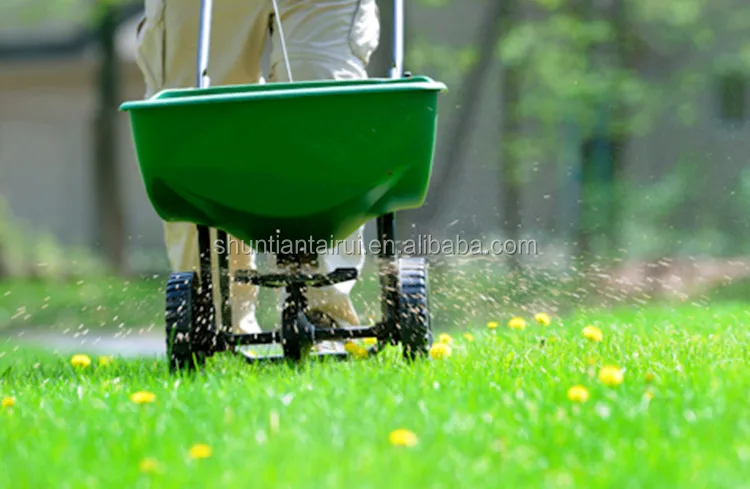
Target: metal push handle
{"x": 397, "y": 71}
{"x": 204, "y": 42}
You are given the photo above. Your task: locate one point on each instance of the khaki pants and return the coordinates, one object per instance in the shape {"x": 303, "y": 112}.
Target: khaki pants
{"x": 325, "y": 39}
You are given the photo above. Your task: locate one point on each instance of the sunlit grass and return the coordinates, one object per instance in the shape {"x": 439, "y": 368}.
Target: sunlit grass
{"x": 660, "y": 401}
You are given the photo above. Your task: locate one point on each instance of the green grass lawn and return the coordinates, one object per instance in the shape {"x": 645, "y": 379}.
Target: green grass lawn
{"x": 494, "y": 414}
{"x": 97, "y": 302}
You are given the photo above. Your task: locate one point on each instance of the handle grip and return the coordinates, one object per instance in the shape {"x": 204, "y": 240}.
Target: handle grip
{"x": 397, "y": 71}
{"x": 204, "y": 44}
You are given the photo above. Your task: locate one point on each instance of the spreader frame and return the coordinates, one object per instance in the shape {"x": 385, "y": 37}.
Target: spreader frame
{"x": 193, "y": 332}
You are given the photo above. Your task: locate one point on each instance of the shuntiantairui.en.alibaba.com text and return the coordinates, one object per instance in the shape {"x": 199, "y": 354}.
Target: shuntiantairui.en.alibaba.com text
{"x": 421, "y": 246}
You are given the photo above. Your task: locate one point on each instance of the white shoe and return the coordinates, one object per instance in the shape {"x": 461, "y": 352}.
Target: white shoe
{"x": 249, "y": 325}
{"x": 329, "y": 346}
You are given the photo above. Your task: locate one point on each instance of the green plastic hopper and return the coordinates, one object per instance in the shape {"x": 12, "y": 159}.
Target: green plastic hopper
{"x": 293, "y": 161}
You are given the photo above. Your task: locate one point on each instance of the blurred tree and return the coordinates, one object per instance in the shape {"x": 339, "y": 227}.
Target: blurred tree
{"x": 609, "y": 68}
{"x": 109, "y": 204}
{"x": 511, "y": 156}
{"x": 602, "y": 150}
{"x": 476, "y": 65}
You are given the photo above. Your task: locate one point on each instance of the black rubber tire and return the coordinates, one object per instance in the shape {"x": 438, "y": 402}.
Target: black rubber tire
{"x": 188, "y": 343}
{"x": 415, "y": 327}
{"x": 290, "y": 321}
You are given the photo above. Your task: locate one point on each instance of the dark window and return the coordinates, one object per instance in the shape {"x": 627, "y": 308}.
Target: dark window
{"x": 733, "y": 97}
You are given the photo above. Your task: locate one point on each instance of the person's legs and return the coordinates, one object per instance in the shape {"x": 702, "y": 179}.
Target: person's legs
{"x": 167, "y": 54}
{"x": 325, "y": 39}
{"x": 328, "y": 39}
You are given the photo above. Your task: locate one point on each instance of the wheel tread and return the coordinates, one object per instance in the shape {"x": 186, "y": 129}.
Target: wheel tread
{"x": 414, "y": 318}
{"x": 184, "y": 338}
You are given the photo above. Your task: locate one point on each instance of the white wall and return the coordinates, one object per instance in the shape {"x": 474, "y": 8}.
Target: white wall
{"x": 46, "y": 154}
{"x": 44, "y": 162}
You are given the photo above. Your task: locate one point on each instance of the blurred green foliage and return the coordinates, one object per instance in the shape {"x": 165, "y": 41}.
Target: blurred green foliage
{"x": 613, "y": 70}
{"x": 28, "y": 253}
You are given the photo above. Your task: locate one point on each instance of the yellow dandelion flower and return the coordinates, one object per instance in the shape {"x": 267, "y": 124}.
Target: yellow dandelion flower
{"x": 650, "y": 377}
{"x": 106, "y": 360}
{"x": 578, "y": 393}
{"x": 611, "y": 376}
{"x": 361, "y": 353}
{"x": 200, "y": 451}
{"x": 370, "y": 341}
{"x": 440, "y": 351}
{"x": 492, "y": 324}
{"x": 8, "y": 402}
{"x": 402, "y": 438}
{"x": 543, "y": 318}
{"x": 592, "y": 333}
{"x": 355, "y": 350}
{"x": 80, "y": 361}
{"x": 445, "y": 338}
{"x": 517, "y": 323}
{"x": 469, "y": 336}
{"x": 149, "y": 465}
{"x": 143, "y": 397}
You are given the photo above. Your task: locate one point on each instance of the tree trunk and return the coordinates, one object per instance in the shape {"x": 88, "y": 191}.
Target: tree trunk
{"x": 3, "y": 266}
{"x": 626, "y": 51}
{"x": 602, "y": 153}
{"x": 452, "y": 153}
{"x": 110, "y": 220}
{"x": 510, "y": 164}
